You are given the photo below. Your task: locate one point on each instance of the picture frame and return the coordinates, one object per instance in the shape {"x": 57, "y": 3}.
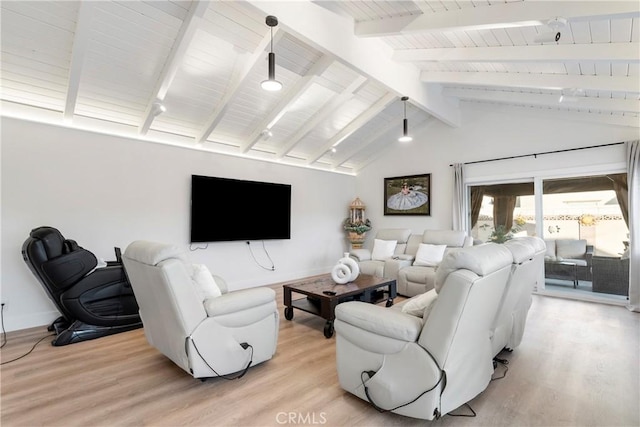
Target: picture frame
{"x": 408, "y": 195}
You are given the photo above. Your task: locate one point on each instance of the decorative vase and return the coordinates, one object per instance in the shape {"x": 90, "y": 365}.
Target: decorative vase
{"x": 356, "y": 239}
{"x": 346, "y": 270}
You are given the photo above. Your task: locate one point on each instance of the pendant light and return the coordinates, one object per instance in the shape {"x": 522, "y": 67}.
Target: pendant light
{"x": 405, "y": 124}
{"x": 271, "y": 84}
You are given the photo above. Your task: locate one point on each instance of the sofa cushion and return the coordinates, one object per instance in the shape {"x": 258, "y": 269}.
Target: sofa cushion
{"x": 429, "y": 255}
{"x": 520, "y": 249}
{"x": 419, "y": 274}
{"x": 420, "y": 305}
{"x": 383, "y": 249}
{"x": 481, "y": 260}
{"x": 571, "y": 248}
{"x": 153, "y": 253}
{"x": 452, "y": 238}
{"x": 400, "y": 235}
{"x": 551, "y": 249}
{"x": 205, "y": 284}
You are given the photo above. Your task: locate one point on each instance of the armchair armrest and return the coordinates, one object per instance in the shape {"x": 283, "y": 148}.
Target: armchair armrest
{"x": 360, "y": 254}
{"x": 234, "y": 302}
{"x": 379, "y": 320}
{"x": 589, "y": 254}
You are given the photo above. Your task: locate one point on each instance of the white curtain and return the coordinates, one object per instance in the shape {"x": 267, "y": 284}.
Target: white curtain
{"x": 633, "y": 179}
{"x": 459, "y": 198}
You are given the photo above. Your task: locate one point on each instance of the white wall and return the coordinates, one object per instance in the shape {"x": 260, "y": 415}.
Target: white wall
{"x": 486, "y": 133}
{"x": 105, "y": 191}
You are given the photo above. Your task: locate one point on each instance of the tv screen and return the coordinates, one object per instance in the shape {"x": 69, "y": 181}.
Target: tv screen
{"x": 225, "y": 209}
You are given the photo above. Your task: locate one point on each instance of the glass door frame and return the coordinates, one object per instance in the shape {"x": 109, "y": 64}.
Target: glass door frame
{"x": 538, "y": 178}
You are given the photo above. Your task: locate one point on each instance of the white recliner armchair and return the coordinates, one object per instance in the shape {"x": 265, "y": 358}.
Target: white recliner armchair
{"x": 425, "y": 367}
{"x": 190, "y": 317}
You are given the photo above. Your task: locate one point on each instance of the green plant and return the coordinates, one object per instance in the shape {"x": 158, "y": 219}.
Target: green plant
{"x": 501, "y": 234}
{"x": 359, "y": 227}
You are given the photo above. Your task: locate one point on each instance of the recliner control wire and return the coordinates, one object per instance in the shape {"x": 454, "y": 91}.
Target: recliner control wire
{"x": 226, "y": 377}
{"x": 443, "y": 375}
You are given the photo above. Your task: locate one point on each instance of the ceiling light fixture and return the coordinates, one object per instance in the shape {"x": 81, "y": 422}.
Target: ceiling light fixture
{"x": 405, "y": 123}
{"x": 271, "y": 84}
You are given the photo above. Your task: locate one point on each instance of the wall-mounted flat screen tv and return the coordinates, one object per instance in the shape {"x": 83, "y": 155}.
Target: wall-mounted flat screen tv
{"x": 224, "y": 209}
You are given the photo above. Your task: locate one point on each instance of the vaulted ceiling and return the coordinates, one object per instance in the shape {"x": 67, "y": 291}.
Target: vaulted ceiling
{"x": 344, "y": 65}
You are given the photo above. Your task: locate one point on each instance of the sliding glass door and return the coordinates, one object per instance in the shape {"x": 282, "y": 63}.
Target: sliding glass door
{"x": 586, "y": 235}
{"x": 581, "y": 220}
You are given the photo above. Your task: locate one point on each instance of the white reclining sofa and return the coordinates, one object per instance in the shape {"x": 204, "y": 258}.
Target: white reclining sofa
{"x": 411, "y": 259}
{"x": 424, "y": 253}
{"x": 426, "y": 366}
{"x": 527, "y": 269}
{"x": 387, "y": 256}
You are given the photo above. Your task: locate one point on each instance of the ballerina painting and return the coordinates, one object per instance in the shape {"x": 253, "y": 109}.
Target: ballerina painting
{"x": 407, "y": 195}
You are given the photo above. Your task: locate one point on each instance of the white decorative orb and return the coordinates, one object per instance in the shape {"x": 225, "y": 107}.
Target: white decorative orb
{"x": 352, "y": 264}
{"x": 341, "y": 274}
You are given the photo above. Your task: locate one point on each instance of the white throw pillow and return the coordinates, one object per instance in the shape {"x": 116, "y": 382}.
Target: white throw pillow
{"x": 205, "y": 284}
{"x": 429, "y": 255}
{"x": 383, "y": 249}
{"x": 420, "y": 305}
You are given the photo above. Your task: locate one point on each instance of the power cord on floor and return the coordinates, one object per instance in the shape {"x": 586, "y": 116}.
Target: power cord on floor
{"x": 4, "y": 333}
{"x": 29, "y": 352}
{"x": 244, "y": 345}
{"x": 471, "y": 415}
{"x": 504, "y": 363}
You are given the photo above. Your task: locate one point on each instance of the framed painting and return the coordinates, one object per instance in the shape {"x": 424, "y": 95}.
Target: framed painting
{"x": 408, "y": 195}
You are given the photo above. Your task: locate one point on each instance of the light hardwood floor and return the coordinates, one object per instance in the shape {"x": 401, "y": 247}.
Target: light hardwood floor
{"x": 578, "y": 365}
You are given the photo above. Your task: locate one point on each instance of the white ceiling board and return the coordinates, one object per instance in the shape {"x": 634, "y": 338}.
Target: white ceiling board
{"x": 308, "y": 21}
{"x": 206, "y": 60}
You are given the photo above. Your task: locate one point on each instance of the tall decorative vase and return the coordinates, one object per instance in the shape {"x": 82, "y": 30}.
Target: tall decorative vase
{"x": 356, "y": 239}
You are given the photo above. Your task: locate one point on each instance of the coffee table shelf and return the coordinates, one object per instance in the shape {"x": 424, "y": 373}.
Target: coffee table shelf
{"x": 365, "y": 288}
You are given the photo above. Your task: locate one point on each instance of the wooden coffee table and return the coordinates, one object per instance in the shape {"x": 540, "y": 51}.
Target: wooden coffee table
{"x": 323, "y": 294}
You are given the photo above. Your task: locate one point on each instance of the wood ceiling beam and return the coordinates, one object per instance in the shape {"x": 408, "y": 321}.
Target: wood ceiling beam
{"x": 630, "y": 120}
{"x": 80, "y": 42}
{"x": 176, "y": 58}
{"x": 499, "y": 15}
{"x": 547, "y": 100}
{"x": 535, "y": 81}
{"x": 418, "y": 130}
{"x": 344, "y": 156}
{"x": 369, "y": 114}
{"x": 240, "y": 75}
{"x": 333, "y": 35}
{"x": 596, "y": 52}
{"x": 291, "y": 96}
{"x": 324, "y": 112}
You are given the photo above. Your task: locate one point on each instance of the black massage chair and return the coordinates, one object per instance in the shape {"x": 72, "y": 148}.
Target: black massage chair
{"x": 94, "y": 302}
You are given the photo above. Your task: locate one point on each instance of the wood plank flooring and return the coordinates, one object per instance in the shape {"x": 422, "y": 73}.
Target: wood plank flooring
{"x": 578, "y": 365}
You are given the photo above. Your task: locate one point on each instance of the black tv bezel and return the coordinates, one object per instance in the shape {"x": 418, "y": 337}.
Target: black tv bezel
{"x": 282, "y": 233}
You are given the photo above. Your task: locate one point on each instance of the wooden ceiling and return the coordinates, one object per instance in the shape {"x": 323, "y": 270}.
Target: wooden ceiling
{"x": 103, "y": 65}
